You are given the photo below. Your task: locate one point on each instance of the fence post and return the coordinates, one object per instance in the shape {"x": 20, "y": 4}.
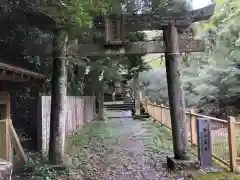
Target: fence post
{"x": 154, "y": 111}
{"x": 39, "y": 124}
{"x": 193, "y": 127}
{"x": 161, "y": 111}
{"x": 93, "y": 106}
{"x": 232, "y": 143}
{"x": 146, "y": 108}
{"x": 84, "y": 111}
{"x": 146, "y": 105}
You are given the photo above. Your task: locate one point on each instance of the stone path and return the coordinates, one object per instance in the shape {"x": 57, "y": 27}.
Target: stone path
{"x": 119, "y": 149}
{"x": 128, "y": 150}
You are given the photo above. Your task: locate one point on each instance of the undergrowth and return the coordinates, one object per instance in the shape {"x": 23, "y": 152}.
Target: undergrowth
{"x": 95, "y": 146}
{"x": 87, "y": 147}
{"x": 95, "y": 136}
{"x": 158, "y": 140}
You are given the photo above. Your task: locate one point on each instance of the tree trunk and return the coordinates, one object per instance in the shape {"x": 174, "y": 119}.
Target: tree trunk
{"x": 176, "y": 94}
{"x": 58, "y": 101}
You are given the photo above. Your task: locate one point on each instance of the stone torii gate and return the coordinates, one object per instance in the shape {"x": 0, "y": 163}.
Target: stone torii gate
{"x": 115, "y": 27}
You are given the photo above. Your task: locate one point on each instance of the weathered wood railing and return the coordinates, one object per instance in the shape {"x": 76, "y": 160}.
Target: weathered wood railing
{"x": 225, "y": 142}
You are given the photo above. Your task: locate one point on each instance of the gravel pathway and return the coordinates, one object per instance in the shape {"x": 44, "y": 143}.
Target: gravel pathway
{"x": 119, "y": 149}
{"x": 136, "y": 150}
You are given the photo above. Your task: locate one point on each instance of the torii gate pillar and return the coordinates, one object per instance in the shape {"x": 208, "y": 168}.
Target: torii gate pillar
{"x": 175, "y": 93}
{"x": 136, "y": 94}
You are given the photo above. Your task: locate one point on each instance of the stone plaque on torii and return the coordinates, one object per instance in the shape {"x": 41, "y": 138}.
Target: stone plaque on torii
{"x": 115, "y": 27}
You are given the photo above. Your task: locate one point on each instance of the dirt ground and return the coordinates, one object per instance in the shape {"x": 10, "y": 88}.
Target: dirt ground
{"x": 122, "y": 149}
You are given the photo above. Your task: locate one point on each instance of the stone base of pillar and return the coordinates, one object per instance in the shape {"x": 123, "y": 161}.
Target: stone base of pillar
{"x": 98, "y": 117}
{"x": 6, "y": 170}
{"x": 182, "y": 165}
{"x": 141, "y": 116}
{"x": 60, "y": 167}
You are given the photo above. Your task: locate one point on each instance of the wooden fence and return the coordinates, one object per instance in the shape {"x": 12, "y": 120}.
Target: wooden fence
{"x": 80, "y": 110}
{"x": 224, "y": 133}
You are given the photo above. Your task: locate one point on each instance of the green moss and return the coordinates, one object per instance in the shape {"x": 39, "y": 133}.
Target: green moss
{"x": 215, "y": 176}
{"x": 101, "y": 137}
{"x": 159, "y": 145}
{"x": 97, "y": 132}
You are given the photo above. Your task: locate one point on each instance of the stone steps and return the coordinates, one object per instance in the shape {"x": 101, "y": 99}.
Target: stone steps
{"x": 122, "y": 106}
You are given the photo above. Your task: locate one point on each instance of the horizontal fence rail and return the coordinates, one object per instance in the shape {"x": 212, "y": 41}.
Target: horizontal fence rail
{"x": 224, "y": 133}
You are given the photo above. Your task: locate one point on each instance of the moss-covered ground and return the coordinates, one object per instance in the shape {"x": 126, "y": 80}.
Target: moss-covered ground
{"x": 122, "y": 148}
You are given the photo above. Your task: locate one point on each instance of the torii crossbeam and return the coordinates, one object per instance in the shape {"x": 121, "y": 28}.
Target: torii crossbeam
{"x": 130, "y": 23}
{"x": 157, "y": 21}
{"x": 136, "y": 48}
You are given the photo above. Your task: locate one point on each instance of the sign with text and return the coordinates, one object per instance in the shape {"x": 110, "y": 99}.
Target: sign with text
{"x": 204, "y": 142}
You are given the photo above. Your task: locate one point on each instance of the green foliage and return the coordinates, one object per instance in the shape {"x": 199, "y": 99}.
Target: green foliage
{"x": 135, "y": 63}
{"x": 72, "y": 15}
{"x": 76, "y": 12}
{"x": 47, "y": 173}
{"x": 156, "y": 6}
{"x": 211, "y": 78}
{"x": 157, "y": 138}
{"x": 111, "y": 69}
{"x": 216, "y": 74}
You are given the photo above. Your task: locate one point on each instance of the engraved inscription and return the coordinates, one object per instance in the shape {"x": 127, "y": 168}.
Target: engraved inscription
{"x": 204, "y": 141}
{"x": 114, "y": 30}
